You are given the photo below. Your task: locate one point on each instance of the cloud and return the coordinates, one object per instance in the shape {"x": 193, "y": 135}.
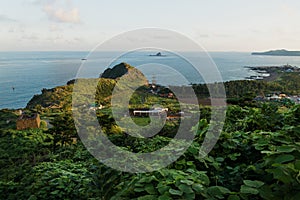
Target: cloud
{"x": 203, "y": 36}
{"x": 61, "y": 39}
{"x": 4, "y": 18}
{"x": 56, "y": 39}
{"x": 212, "y": 35}
{"x": 61, "y": 15}
{"x": 60, "y": 11}
{"x": 223, "y": 35}
{"x": 32, "y": 37}
{"x": 44, "y": 2}
{"x": 19, "y": 28}
{"x": 73, "y": 41}
{"x": 54, "y": 28}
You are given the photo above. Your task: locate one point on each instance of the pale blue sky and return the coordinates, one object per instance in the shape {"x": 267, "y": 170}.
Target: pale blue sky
{"x": 231, "y": 25}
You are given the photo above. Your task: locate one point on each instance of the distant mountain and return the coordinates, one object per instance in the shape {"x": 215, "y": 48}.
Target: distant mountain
{"x": 281, "y": 52}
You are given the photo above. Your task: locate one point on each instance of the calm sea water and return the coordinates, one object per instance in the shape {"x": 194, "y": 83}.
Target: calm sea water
{"x": 30, "y": 72}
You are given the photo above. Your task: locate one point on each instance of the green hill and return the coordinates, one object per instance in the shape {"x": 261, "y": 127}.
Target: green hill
{"x": 61, "y": 97}
{"x": 281, "y": 52}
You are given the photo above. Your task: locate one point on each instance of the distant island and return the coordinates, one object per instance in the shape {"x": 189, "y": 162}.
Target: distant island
{"x": 281, "y": 52}
{"x": 158, "y": 54}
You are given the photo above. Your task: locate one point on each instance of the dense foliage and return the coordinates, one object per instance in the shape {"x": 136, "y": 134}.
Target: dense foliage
{"x": 256, "y": 157}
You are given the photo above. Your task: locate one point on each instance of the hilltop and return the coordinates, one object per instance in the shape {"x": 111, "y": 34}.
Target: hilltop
{"x": 117, "y": 71}
{"x": 61, "y": 97}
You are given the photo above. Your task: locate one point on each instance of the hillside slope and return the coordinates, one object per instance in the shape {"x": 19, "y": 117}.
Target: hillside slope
{"x": 61, "y": 96}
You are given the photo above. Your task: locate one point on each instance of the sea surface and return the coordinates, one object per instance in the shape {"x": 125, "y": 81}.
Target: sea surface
{"x": 24, "y": 74}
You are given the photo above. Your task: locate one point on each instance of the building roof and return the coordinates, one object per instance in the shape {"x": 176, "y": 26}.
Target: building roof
{"x": 26, "y": 116}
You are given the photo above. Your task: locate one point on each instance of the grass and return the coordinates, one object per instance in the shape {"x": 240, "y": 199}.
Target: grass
{"x": 8, "y": 119}
{"x": 141, "y": 121}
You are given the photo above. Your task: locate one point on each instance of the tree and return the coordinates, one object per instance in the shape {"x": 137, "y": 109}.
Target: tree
{"x": 63, "y": 130}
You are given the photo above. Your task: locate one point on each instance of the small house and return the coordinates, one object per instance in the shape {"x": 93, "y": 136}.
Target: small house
{"x": 282, "y": 96}
{"x": 274, "y": 97}
{"x": 152, "y": 112}
{"x": 28, "y": 121}
{"x": 95, "y": 107}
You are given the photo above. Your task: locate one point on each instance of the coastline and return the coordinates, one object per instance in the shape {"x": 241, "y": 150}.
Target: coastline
{"x": 271, "y": 73}
{"x": 51, "y": 69}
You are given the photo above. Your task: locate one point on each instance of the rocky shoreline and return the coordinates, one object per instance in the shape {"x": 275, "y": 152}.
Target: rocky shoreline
{"x": 270, "y": 73}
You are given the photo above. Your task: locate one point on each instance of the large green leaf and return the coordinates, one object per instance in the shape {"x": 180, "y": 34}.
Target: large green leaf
{"x": 188, "y": 182}
{"x": 254, "y": 184}
{"x": 218, "y": 191}
{"x": 248, "y": 190}
{"x": 281, "y": 174}
{"x": 147, "y": 197}
{"x": 297, "y": 164}
{"x": 175, "y": 192}
{"x": 284, "y": 158}
{"x": 233, "y": 197}
{"x": 138, "y": 189}
{"x": 286, "y": 149}
{"x": 189, "y": 196}
{"x": 150, "y": 189}
{"x": 164, "y": 197}
{"x": 162, "y": 188}
{"x": 197, "y": 187}
{"x": 185, "y": 188}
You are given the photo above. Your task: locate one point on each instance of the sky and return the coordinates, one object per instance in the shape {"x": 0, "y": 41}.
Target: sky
{"x": 217, "y": 25}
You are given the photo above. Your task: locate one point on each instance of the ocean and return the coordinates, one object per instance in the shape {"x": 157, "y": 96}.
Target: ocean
{"x": 24, "y": 74}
